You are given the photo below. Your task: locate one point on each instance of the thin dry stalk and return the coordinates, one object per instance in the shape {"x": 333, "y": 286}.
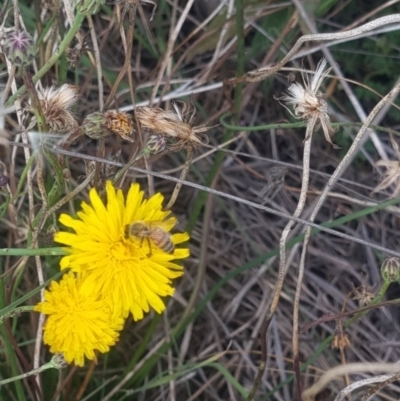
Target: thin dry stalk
{"x": 128, "y": 56}
{"x": 282, "y": 259}
{"x": 96, "y": 50}
{"x": 184, "y": 172}
{"x": 168, "y": 53}
{"x": 260, "y": 75}
{"x": 310, "y": 393}
{"x": 358, "y": 140}
{"x": 385, "y": 380}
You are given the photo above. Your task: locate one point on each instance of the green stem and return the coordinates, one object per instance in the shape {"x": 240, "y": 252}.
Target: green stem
{"x": 8, "y": 348}
{"x": 239, "y": 55}
{"x": 299, "y": 124}
{"x": 53, "y": 59}
{"x": 15, "y": 312}
{"x": 33, "y": 252}
{"x": 48, "y": 365}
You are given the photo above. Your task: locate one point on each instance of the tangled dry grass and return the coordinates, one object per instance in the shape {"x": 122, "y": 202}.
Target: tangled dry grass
{"x": 234, "y": 190}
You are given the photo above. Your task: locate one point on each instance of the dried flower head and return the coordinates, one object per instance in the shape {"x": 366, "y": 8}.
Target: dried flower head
{"x": 75, "y": 53}
{"x": 120, "y": 124}
{"x": 99, "y": 125}
{"x": 341, "y": 341}
{"x": 363, "y": 295}
{"x": 175, "y": 124}
{"x": 307, "y": 101}
{"x": 56, "y": 105}
{"x": 392, "y": 173}
{"x": 19, "y": 47}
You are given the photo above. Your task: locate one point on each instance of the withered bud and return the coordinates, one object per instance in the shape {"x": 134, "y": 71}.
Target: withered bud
{"x": 75, "y": 53}
{"x": 3, "y": 180}
{"x": 66, "y": 173}
{"x": 19, "y": 47}
{"x": 390, "y": 270}
{"x": 48, "y": 236}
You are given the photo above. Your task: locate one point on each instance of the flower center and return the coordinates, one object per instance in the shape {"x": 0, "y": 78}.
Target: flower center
{"x": 121, "y": 251}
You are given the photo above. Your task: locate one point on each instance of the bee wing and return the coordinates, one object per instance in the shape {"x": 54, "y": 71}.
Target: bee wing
{"x": 165, "y": 224}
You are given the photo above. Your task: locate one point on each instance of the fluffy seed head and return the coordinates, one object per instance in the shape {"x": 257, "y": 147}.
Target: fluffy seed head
{"x": 391, "y": 177}
{"x": 56, "y": 105}
{"x": 307, "y": 102}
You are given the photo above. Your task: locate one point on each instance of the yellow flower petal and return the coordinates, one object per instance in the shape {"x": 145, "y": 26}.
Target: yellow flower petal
{"x": 79, "y": 322}
{"x": 134, "y": 271}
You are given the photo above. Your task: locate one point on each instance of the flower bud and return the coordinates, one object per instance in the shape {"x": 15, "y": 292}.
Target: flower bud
{"x": 19, "y": 47}
{"x": 94, "y": 126}
{"x": 390, "y": 270}
{"x": 89, "y": 7}
{"x": 156, "y": 144}
{"x": 58, "y": 361}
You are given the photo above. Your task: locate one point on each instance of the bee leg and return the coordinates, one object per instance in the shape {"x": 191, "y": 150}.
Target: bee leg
{"x": 150, "y": 251}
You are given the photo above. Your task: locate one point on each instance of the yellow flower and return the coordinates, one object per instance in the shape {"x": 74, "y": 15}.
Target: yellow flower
{"x": 135, "y": 271}
{"x": 80, "y": 321}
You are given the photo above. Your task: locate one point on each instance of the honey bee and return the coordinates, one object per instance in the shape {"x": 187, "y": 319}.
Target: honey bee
{"x": 153, "y": 233}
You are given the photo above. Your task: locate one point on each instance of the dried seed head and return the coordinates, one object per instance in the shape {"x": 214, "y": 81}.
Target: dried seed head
{"x": 75, "y": 53}
{"x": 391, "y": 177}
{"x": 390, "y": 270}
{"x": 19, "y": 47}
{"x": 56, "y": 105}
{"x": 176, "y": 125}
{"x": 307, "y": 101}
{"x": 363, "y": 295}
{"x": 120, "y": 124}
{"x": 341, "y": 341}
